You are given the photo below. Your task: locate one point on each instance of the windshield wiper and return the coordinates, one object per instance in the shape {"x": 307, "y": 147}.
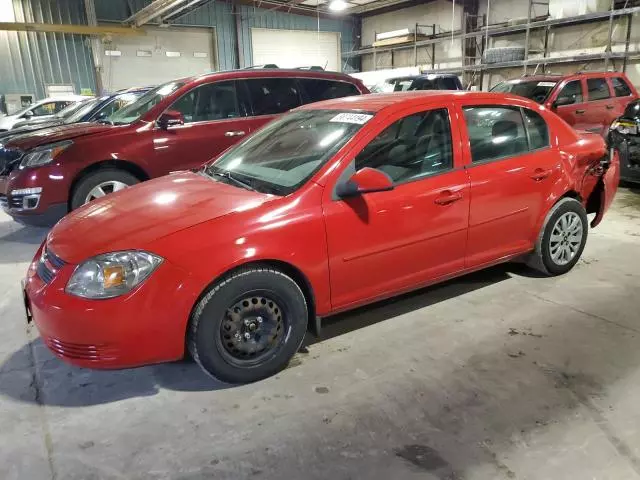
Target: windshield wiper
{"x": 227, "y": 174}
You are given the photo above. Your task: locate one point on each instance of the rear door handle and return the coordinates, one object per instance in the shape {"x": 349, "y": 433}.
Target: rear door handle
{"x": 610, "y": 107}
{"x": 579, "y": 112}
{"x": 448, "y": 197}
{"x": 540, "y": 174}
{"x": 234, "y": 133}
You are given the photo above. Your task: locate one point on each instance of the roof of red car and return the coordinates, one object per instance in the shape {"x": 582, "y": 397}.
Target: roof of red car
{"x": 377, "y": 101}
{"x": 268, "y": 72}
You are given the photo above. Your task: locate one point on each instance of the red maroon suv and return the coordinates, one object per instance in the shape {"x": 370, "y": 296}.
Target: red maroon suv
{"x": 588, "y": 101}
{"x": 176, "y": 126}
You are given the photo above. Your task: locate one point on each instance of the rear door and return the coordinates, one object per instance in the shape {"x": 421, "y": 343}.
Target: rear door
{"x": 570, "y": 104}
{"x": 214, "y": 119}
{"x": 268, "y": 98}
{"x": 600, "y": 110}
{"x": 512, "y": 168}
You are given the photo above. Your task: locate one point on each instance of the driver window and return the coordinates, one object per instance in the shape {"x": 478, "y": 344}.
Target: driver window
{"x": 213, "y": 101}
{"x": 413, "y": 147}
{"x": 572, "y": 91}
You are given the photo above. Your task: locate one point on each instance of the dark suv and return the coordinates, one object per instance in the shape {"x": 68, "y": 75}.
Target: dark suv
{"x": 432, "y": 81}
{"x": 176, "y": 126}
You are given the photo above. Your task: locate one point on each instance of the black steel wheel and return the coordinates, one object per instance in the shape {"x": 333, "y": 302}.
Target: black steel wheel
{"x": 248, "y": 325}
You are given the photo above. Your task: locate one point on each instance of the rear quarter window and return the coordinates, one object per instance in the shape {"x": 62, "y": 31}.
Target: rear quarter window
{"x": 620, "y": 87}
{"x": 317, "y": 89}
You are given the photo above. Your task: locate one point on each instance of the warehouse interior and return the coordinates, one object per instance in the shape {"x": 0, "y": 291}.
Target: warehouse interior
{"x": 501, "y": 373}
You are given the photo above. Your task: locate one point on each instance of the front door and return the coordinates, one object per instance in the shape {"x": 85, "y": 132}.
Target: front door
{"x": 214, "y": 119}
{"x": 512, "y": 170}
{"x": 570, "y": 104}
{"x": 385, "y": 242}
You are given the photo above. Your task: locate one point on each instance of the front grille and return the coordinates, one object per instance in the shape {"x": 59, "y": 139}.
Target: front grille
{"x": 49, "y": 265}
{"x": 94, "y": 353}
{"x": 20, "y": 202}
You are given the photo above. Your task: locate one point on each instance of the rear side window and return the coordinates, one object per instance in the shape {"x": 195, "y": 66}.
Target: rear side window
{"x": 495, "y": 132}
{"x": 318, "y": 89}
{"x": 620, "y": 87}
{"x": 537, "y": 129}
{"x": 598, "y": 89}
{"x": 212, "y": 101}
{"x": 448, "y": 83}
{"x": 571, "y": 93}
{"x": 270, "y": 96}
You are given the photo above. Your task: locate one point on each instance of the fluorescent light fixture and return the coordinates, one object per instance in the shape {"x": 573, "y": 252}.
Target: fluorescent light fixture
{"x": 338, "y": 5}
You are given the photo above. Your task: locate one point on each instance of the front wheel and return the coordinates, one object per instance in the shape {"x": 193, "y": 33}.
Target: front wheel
{"x": 100, "y": 183}
{"x": 562, "y": 239}
{"x": 248, "y": 325}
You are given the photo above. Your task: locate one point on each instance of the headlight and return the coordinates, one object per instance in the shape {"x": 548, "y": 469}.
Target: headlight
{"x": 112, "y": 274}
{"x": 44, "y": 154}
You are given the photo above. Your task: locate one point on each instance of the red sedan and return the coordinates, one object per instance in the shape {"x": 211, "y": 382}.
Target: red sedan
{"x": 334, "y": 205}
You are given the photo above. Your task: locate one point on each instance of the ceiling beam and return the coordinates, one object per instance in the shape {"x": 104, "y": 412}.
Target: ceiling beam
{"x": 68, "y": 28}
{"x": 152, "y": 11}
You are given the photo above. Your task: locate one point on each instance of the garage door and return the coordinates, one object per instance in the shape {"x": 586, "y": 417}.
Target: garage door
{"x": 160, "y": 56}
{"x": 296, "y": 48}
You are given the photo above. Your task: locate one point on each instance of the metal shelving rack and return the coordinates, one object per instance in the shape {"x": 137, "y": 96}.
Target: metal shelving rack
{"x": 483, "y": 34}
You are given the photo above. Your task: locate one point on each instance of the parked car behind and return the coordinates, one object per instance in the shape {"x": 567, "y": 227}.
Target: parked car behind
{"x": 587, "y": 101}
{"x": 432, "y": 81}
{"x": 624, "y": 135}
{"x": 334, "y": 205}
{"x": 176, "y": 126}
{"x": 91, "y": 110}
{"x": 46, "y": 108}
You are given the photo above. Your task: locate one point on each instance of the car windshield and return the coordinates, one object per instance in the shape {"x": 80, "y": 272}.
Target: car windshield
{"x": 281, "y": 157}
{"x": 146, "y": 102}
{"x": 80, "y": 110}
{"x": 68, "y": 111}
{"x": 537, "y": 90}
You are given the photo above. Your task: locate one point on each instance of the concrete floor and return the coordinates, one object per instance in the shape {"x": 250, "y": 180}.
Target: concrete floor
{"x": 497, "y": 375}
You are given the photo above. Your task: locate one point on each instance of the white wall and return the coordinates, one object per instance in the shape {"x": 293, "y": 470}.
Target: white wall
{"x": 448, "y": 54}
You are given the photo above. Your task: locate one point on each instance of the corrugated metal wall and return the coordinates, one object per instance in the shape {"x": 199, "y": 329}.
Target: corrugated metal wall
{"x": 32, "y": 60}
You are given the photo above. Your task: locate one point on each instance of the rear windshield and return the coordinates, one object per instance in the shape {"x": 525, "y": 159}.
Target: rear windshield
{"x": 537, "y": 90}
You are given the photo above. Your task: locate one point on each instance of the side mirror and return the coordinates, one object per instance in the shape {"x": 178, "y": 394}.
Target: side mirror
{"x": 561, "y": 101}
{"x": 170, "y": 118}
{"x": 27, "y": 114}
{"x": 366, "y": 180}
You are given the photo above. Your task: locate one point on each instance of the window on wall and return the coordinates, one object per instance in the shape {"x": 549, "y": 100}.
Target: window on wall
{"x": 598, "y": 89}
{"x": 571, "y": 92}
{"x": 413, "y": 147}
{"x": 495, "y": 132}
{"x": 270, "y": 96}
{"x": 620, "y": 87}
{"x": 212, "y": 101}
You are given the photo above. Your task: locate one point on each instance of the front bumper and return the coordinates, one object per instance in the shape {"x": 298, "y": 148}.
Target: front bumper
{"x": 43, "y": 208}
{"x": 145, "y": 326}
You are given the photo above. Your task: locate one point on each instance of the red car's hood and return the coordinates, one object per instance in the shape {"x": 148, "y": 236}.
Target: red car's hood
{"x": 56, "y": 134}
{"x": 131, "y": 218}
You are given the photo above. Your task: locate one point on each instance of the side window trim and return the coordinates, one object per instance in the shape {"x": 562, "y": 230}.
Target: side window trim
{"x": 472, "y": 164}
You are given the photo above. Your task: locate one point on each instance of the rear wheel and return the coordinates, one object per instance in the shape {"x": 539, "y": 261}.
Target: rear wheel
{"x": 100, "y": 183}
{"x": 562, "y": 239}
{"x": 248, "y": 325}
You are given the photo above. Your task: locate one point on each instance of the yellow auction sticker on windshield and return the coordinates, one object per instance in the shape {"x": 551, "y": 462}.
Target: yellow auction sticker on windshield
{"x": 357, "y": 118}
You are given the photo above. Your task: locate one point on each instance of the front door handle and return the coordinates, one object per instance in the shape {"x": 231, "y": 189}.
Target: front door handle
{"x": 540, "y": 174}
{"x": 610, "y": 107}
{"x": 579, "y": 112}
{"x": 447, "y": 198}
{"x": 234, "y": 133}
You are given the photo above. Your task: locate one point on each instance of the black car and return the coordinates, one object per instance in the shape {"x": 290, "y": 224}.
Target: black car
{"x": 431, "y": 81}
{"x": 624, "y": 134}
{"x": 89, "y": 111}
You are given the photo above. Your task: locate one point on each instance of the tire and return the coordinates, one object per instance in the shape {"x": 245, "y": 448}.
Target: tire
{"x": 217, "y": 334}
{"x": 93, "y": 180}
{"x": 547, "y": 256}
